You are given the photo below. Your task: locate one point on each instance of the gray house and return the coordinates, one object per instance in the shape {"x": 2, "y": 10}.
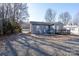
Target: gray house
{"x": 45, "y": 28}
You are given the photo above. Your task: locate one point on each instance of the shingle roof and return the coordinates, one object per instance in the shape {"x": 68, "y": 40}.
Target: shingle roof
{"x": 41, "y": 23}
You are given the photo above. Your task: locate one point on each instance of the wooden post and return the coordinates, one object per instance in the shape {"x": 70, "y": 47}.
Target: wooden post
{"x": 30, "y": 28}
{"x": 49, "y": 29}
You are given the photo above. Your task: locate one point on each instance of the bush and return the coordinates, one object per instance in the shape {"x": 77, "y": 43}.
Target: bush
{"x": 11, "y": 27}
{"x": 29, "y": 33}
{"x": 6, "y": 27}
{"x": 16, "y": 28}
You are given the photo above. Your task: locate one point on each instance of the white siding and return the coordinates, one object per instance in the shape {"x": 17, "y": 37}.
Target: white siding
{"x": 73, "y": 29}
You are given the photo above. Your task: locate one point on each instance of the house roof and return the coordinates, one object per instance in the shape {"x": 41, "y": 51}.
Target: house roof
{"x": 71, "y": 26}
{"x": 41, "y": 23}
{"x": 58, "y": 23}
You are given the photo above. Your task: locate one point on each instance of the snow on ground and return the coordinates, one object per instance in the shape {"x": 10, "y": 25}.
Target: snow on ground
{"x": 25, "y": 45}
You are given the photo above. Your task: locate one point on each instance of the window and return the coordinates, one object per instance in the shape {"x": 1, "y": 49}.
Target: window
{"x": 72, "y": 28}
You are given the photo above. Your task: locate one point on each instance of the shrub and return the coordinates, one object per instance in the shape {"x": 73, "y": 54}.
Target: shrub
{"x": 11, "y": 27}
{"x": 16, "y": 27}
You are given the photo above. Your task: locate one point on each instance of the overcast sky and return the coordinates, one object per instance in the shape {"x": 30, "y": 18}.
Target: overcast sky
{"x": 37, "y": 10}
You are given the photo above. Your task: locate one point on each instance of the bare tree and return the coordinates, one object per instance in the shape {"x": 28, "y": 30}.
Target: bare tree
{"x": 50, "y": 15}
{"x": 1, "y": 18}
{"x": 21, "y": 11}
{"x": 24, "y": 12}
{"x": 76, "y": 19}
{"x": 12, "y": 13}
{"x": 65, "y": 17}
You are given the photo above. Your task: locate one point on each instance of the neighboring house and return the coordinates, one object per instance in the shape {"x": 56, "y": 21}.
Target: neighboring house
{"x": 45, "y": 28}
{"x": 25, "y": 26}
{"x": 74, "y": 29}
